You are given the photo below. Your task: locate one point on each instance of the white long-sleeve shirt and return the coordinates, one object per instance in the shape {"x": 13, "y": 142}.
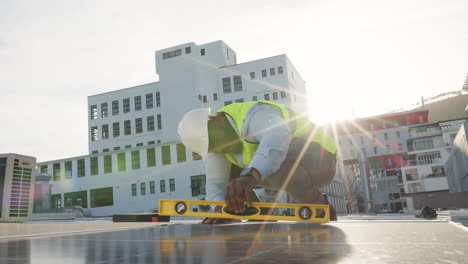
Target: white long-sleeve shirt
{"x": 264, "y": 125}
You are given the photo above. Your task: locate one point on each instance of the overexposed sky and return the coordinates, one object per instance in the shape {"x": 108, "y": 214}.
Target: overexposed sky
{"x": 361, "y": 57}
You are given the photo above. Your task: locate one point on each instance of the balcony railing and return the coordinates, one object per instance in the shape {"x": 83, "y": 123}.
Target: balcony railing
{"x": 426, "y": 134}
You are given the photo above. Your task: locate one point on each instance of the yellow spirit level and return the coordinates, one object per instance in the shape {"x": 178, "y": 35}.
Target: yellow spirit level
{"x": 319, "y": 213}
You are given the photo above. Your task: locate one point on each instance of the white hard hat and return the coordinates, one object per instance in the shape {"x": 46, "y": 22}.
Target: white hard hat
{"x": 193, "y": 130}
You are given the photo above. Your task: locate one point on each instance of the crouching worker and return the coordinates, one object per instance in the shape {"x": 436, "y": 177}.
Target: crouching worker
{"x": 259, "y": 144}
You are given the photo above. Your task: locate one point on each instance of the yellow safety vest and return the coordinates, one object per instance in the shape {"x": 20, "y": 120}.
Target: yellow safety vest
{"x": 303, "y": 127}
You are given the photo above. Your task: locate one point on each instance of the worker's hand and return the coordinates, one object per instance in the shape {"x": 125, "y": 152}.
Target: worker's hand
{"x": 238, "y": 192}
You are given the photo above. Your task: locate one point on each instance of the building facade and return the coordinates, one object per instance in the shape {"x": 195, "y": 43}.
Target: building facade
{"x": 457, "y": 163}
{"x": 135, "y": 154}
{"x": 16, "y": 187}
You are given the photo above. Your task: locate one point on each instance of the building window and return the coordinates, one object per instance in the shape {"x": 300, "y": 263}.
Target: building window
{"x": 81, "y": 170}
{"x": 149, "y": 101}
{"x": 227, "y": 103}
{"x": 135, "y": 159}
{"x": 215, "y": 97}
{"x": 44, "y": 169}
{"x": 398, "y": 134}
{"x": 172, "y": 185}
{"x": 181, "y": 153}
{"x": 107, "y": 163}
{"x": 134, "y": 189}
{"x": 197, "y": 183}
{"x": 396, "y": 123}
{"x": 94, "y": 166}
{"x": 128, "y": 146}
{"x": 387, "y": 148}
{"x": 280, "y": 70}
{"x": 139, "y": 125}
{"x": 272, "y": 71}
{"x": 196, "y": 156}
{"x": 94, "y": 133}
{"x": 105, "y": 131}
{"x": 202, "y": 52}
{"x": 166, "y": 154}
{"x": 76, "y": 199}
{"x": 227, "y": 85}
{"x": 121, "y": 162}
{"x": 386, "y": 136}
{"x": 375, "y": 150}
{"x": 162, "y": 186}
{"x": 126, "y": 105}
{"x": 102, "y": 197}
{"x": 204, "y": 99}
{"x": 275, "y": 96}
{"x": 264, "y": 73}
{"x": 143, "y": 188}
{"x": 150, "y": 157}
{"x": 252, "y": 75}
{"x": 188, "y": 50}
{"x": 241, "y": 100}
{"x": 158, "y": 99}
{"x": 172, "y": 54}
{"x": 115, "y": 108}
{"x": 127, "y": 128}
{"x": 283, "y": 94}
{"x": 159, "y": 122}
{"x": 150, "y": 123}
{"x": 254, "y": 98}
{"x": 237, "y": 83}
{"x": 152, "y": 187}
{"x": 411, "y": 174}
{"x": 94, "y": 112}
{"x": 137, "y": 103}
{"x": 429, "y": 158}
{"x": 104, "y": 110}
{"x": 116, "y": 129}
{"x": 68, "y": 169}
{"x": 266, "y": 96}
{"x": 421, "y": 119}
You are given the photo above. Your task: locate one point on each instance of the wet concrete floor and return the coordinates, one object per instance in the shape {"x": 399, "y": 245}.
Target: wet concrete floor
{"x": 257, "y": 242}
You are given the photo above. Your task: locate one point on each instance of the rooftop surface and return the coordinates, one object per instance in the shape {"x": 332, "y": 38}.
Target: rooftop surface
{"x": 362, "y": 239}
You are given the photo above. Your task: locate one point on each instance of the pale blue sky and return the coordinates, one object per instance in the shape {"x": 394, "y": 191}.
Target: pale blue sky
{"x": 370, "y": 56}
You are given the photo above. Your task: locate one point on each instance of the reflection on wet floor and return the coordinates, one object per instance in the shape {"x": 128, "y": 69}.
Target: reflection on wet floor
{"x": 182, "y": 244}
{"x": 250, "y": 243}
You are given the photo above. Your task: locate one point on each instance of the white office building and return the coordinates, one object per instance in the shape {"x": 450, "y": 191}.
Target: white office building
{"x": 135, "y": 155}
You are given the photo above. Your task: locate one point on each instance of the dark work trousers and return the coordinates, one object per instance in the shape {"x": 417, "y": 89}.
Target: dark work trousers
{"x": 305, "y": 171}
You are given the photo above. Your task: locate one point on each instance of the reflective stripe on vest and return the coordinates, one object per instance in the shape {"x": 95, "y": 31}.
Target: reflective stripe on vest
{"x": 303, "y": 126}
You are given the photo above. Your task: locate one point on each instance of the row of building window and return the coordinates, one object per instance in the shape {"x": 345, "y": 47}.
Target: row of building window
{"x": 137, "y": 103}
{"x": 264, "y": 72}
{"x": 127, "y": 129}
{"x": 126, "y": 147}
{"x": 374, "y": 138}
{"x": 152, "y": 187}
{"x": 99, "y": 198}
{"x": 135, "y": 156}
{"x": 178, "y": 52}
{"x": 255, "y": 98}
{"x": 396, "y": 123}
